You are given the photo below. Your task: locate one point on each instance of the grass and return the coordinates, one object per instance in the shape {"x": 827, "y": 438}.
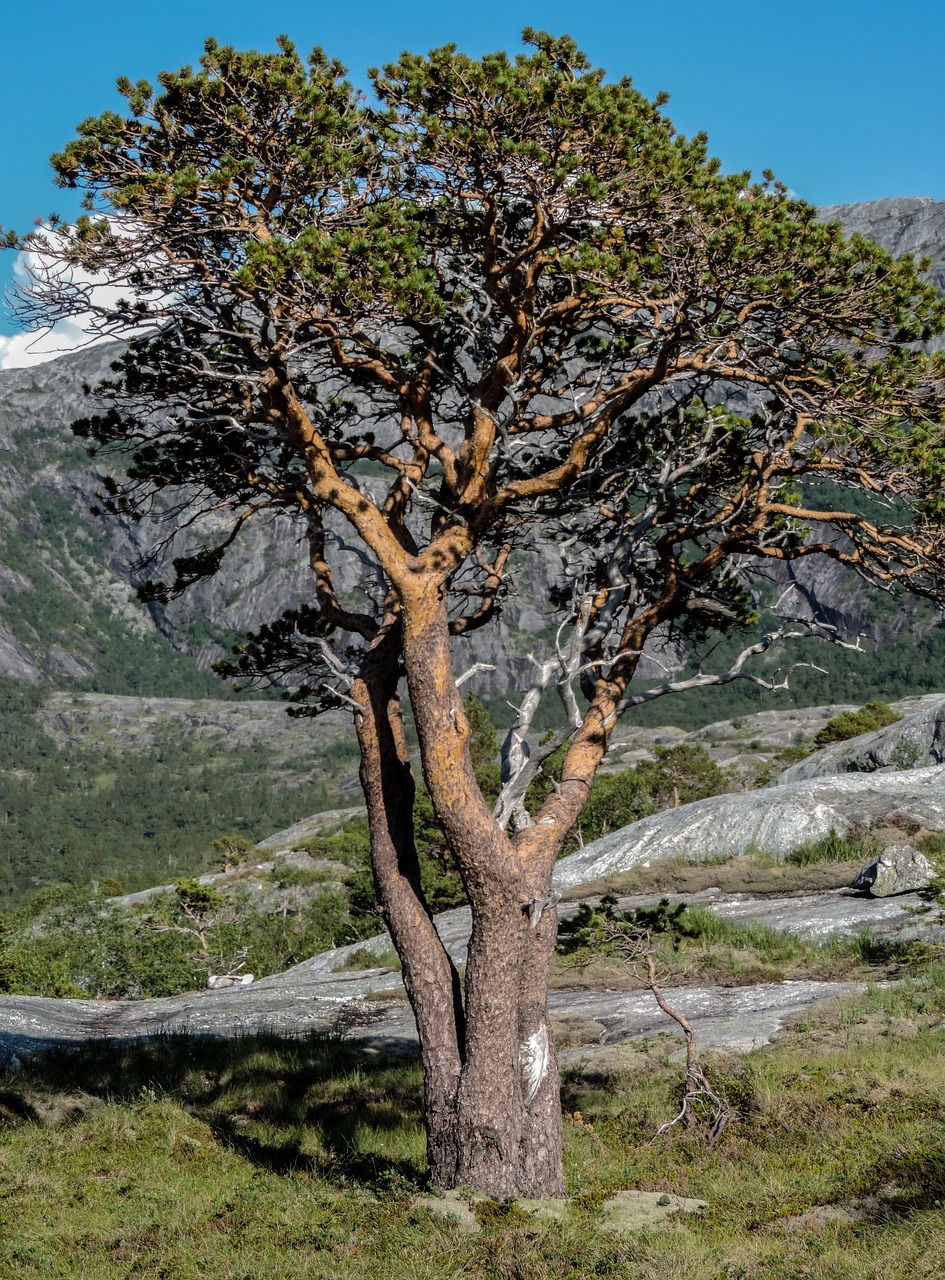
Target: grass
{"x": 366, "y": 958}
{"x": 757, "y": 874}
{"x": 695, "y": 945}
{"x": 834, "y": 848}
{"x": 270, "y": 1158}
{"x": 725, "y": 953}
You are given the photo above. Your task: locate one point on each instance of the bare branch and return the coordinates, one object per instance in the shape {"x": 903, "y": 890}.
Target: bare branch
{"x": 699, "y": 1103}
{"x": 474, "y": 670}
{"x": 806, "y": 630}
{"x": 521, "y": 759}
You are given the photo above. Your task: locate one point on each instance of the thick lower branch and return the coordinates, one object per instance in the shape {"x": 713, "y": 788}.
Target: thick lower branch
{"x": 443, "y": 730}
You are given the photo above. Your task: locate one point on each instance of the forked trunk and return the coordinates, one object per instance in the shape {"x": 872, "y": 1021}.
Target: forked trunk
{"x": 492, "y": 1107}
{"x": 502, "y": 1135}
{"x": 506, "y": 1125}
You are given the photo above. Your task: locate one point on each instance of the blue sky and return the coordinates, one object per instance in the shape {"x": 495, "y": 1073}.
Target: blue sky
{"x": 842, "y": 99}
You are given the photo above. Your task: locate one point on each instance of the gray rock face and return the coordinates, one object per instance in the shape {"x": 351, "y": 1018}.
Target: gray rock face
{"x": 775, "y": 820}
{"x": 898, "y": 869}
{"x": 47, "y": 489}
{"x": 734, "y": 1018}
{"x": 817, "y": 588}
{"x": 836, "y": 913}
{"x": 324, "y": 992}
{"x": 917, "y": 741}
{"x": 135, "y": 724}
{"x": 738, "y": 1018}
{"x": 901, "y": 224}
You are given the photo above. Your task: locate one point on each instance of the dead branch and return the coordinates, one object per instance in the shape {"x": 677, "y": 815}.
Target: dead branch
{"x": 699, "y": 1104}
{"x": 521, "y": 758}
{"x": 807, "y": 629}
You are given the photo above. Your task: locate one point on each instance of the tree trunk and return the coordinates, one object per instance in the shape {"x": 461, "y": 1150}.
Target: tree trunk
{"x": 509, "y": 1111}
{"x": 506, "y": 1126}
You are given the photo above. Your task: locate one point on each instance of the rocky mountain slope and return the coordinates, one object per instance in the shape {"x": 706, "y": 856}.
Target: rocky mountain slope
{"x": 67, "y": 581}
{"x": 901, "y": 224}
{"x": 105, "y": 785}
{"x": 68, "y": 610}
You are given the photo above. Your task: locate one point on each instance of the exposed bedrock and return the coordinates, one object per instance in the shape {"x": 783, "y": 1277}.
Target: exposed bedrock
{"x": 914, "y": 742}
{"x": 775, "y": 820}
{"x": 323, "y": 992}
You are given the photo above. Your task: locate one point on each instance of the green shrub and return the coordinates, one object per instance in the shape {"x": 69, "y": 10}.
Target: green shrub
{"x": 676, "y": 775}
{"x": 289, "y": 877}
{"x": 351, "y": 845}
{"x": 110, "y": 887}
{"x": 614, "y": 802}
{"x": 227, "y": 851}
{"x": 597, "y": 928}
{"x": 850, "y": 724}
{"x": 65, "y": 942}
{"x": 365, "y": 958}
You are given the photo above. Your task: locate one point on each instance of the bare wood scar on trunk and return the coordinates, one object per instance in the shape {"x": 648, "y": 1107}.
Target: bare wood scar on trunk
{"x": 534, "y": 1057}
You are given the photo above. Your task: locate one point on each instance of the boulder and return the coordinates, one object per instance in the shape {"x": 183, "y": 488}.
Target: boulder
{"x": 898, "y": 869}
{"x": 914, "y": 743}
{"x": 319, "y": 824}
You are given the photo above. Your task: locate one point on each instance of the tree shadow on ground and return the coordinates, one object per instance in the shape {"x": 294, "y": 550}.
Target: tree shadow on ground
{"x": 316, "y": 1103}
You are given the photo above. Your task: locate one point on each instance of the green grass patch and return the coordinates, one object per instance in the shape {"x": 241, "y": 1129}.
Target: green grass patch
{"x": 269, "y": 1157}
{"x": 694, "y": 945}
{"x": 834, "y": 848}
{"x": 366, "y": 958}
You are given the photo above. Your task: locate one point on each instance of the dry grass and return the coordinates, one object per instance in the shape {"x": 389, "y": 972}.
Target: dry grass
{"x": 750, "y": 874}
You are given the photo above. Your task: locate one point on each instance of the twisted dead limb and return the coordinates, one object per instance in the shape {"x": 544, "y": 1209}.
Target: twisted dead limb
{"x": 700, "y": 1104}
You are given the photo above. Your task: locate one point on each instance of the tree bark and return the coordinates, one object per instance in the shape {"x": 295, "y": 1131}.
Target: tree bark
{"x": 507, "y": 1126}
{"x": 509, "y": 1110}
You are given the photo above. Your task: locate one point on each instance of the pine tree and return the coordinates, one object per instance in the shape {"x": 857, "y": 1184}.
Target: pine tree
{"x": 508, "y": 304}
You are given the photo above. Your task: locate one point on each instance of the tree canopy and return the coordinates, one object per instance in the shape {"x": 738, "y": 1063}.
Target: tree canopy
{"x": 504, "y": 303}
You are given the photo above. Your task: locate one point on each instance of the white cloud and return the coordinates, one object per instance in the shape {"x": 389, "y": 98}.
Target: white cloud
{"x": 19, "y": 350}
{"x": 37, "y": 346}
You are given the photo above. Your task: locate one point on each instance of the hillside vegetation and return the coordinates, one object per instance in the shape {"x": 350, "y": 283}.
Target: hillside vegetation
{"x": 260, "y": 912}
{"x": 98, "y": 802}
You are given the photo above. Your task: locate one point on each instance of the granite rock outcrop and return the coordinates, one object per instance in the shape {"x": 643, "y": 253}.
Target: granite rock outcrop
{"x": 915, "y": 742}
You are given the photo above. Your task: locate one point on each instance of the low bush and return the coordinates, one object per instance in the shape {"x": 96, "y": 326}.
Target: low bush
{"x": 850, "y": 724}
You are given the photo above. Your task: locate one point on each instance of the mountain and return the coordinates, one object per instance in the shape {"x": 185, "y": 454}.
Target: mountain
{"x": 901, "y": 224}
{"x": 113, "y": 762}
{"x": 68, "y": 610}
